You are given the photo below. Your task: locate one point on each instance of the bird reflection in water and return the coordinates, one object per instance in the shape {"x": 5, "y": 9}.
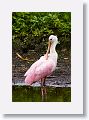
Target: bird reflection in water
{"x": 43, "y": 90}
{"x": 44, "y": 93}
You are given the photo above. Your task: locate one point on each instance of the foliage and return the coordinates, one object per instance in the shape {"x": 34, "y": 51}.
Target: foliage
{"x": 30, "y": 30}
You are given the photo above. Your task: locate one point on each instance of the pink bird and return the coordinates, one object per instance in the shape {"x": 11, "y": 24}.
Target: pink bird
{"x": 45, "y": 65}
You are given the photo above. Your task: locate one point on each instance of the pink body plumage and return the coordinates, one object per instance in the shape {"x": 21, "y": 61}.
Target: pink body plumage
{"x": 40, "y": 69}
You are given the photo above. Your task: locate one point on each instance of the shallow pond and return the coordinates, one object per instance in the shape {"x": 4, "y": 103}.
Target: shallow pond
{"x": 38, "y": 94}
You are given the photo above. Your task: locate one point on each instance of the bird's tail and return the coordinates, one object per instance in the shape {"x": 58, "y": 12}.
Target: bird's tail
{"x": 29, "y": 79}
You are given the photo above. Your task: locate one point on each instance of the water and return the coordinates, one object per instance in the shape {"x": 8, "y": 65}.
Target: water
{"x": 39, "y": 94}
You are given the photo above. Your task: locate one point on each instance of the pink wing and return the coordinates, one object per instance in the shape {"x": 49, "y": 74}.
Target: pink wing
{"x": 33, "y": 67}
{"x": 38, "y": 70}
{"x": 45, "y": 68}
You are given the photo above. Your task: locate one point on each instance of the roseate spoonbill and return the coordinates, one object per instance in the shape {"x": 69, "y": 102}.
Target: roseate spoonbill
{"x": 45, "y": 65}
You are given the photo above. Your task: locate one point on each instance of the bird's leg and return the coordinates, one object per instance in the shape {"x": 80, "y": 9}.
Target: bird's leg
{"x": 43, "y": 82}
{"x": 43, "y": 89}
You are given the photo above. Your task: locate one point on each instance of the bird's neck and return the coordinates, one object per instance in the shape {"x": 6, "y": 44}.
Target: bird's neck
{"x": 53, "y": 53}
{"x": 52, "y": 48}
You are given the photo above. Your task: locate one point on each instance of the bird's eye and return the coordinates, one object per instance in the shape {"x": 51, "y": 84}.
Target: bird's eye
{"x": 50, "y": 39}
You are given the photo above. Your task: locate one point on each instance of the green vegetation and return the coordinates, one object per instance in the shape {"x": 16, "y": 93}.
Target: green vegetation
{"x": 30, "y": 30}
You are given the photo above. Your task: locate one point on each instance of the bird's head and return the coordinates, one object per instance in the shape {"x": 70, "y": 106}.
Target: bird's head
{"x": 53, "y": 39}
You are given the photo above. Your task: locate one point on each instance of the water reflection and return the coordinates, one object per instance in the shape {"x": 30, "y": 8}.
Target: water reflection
{"x": 44, "y": 94}
{"x": 40, "y": 94}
